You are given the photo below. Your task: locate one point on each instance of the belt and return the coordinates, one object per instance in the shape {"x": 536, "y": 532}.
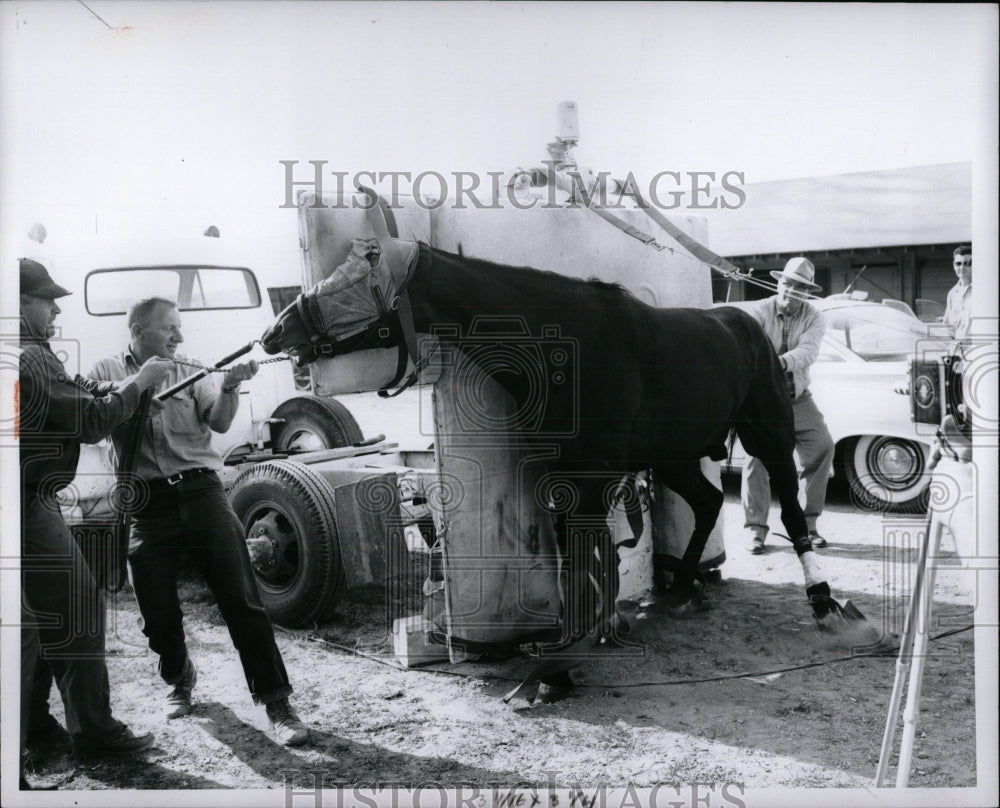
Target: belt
{"x": 180, "y": 476}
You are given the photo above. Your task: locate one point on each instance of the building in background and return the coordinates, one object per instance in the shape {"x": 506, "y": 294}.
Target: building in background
{"x": 889, "y": 233}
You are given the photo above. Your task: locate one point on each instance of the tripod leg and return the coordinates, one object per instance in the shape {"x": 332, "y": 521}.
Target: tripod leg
{"x": 905, "y": 653}
{"x": 920, "y": 642}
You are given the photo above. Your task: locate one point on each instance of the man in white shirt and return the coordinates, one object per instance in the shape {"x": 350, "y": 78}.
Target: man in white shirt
{"x": 958, "y": 311}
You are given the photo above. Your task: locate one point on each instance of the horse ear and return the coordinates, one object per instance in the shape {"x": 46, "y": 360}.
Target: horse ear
{"x": 383, "y": 223}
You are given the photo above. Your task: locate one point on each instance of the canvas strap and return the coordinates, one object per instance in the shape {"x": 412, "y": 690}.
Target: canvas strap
{"x": 401, "y": 260}
{"x": 693, "y": 246}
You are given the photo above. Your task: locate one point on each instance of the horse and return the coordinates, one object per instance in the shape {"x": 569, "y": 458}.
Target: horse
{"x": 651, "y": 389}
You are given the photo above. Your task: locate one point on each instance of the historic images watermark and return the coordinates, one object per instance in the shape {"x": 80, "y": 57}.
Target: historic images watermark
{"x": 314, "y": 789}
{"x": 493, "y": 190}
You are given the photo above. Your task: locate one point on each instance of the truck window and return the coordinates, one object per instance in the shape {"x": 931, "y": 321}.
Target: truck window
{"x": 112, "y": 291}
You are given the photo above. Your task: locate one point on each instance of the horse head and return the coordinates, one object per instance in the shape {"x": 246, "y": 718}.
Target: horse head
{"x": 346, "y": 311}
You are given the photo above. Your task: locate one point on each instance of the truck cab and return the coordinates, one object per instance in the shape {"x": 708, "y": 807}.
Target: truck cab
{"x": 222, "y": 305}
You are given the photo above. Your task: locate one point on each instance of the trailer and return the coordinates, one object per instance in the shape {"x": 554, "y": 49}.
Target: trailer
{"x": 320, "y": 523}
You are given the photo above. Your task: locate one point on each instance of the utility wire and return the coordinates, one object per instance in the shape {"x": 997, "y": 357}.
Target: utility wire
{"x": 662, "y": 683}
{"x": 110, "y": 27}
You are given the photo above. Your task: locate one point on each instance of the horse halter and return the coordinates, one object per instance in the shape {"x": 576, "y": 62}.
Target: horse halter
{"x": 387, "y": 330}
{"x": 390, "y": 266}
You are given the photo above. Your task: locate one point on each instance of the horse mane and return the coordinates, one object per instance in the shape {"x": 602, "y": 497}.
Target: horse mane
{"x": 607, "y": 287}
{"x": 611, "y": 286}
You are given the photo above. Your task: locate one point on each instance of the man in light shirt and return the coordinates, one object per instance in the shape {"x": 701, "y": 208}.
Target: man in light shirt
{"x": 185, "y": 510}
{"x": 796, "y": 330}
{"x": 958, "y": 311}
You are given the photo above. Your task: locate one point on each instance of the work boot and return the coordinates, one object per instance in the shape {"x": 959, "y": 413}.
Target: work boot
{"x": 816, "y": 539}
{"x": 121, "y": 742}
{"x": 179, "y": 699}
{"x": 288, "y": 729}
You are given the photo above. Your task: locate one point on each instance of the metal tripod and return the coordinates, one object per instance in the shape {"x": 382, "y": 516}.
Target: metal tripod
{"x": 916, "y": 632}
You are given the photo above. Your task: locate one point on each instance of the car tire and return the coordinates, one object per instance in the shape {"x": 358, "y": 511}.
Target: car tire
{"x": 290, "y": 521}
{"x": 313, "y": 424}
{"x": 887, "y": 473}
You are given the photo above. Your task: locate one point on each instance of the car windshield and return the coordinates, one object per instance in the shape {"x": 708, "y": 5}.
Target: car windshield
{"x": 879, "y": 333}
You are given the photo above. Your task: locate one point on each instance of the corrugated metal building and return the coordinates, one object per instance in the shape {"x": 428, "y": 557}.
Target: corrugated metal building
{"x": 899, "y": 226}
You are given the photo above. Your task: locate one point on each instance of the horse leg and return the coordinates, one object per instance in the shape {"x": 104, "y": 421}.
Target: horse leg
{"x": 591, "y": 581}
{"x": 705, "y": 500}
{"x": 784, "y": 480}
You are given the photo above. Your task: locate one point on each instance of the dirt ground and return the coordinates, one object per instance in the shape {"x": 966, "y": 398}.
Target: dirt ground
{"x": 678, "y": 706}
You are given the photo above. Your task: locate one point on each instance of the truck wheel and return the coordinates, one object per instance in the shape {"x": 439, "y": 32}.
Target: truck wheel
{"x": 290, "y": 523}
{"x": 311, "y": 424}
{"x": 887, "y": 473}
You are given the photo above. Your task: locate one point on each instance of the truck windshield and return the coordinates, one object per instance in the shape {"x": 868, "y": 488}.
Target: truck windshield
{"x": 192, "y": 288}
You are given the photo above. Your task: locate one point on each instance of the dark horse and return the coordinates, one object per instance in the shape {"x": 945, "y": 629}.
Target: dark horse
{"x": 651, "y": 389}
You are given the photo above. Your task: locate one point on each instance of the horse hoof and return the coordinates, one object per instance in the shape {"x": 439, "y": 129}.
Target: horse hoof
{"x": 553, "y": 689}
{"x": 689, "y": 608}
{"x": 549, "y": 694}
{"x": 616, "y": 626}
{"x": 713, "y": 576}
{"x": 830, "y": 623}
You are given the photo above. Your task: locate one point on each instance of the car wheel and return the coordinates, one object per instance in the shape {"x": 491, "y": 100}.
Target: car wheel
{"x": 887, "y": 473}
{"x": 311, "y": 424}
{"x": 290, "y": 523}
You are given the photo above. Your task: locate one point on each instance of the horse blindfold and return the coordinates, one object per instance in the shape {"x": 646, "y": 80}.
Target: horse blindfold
{"x": 356, "y": 296}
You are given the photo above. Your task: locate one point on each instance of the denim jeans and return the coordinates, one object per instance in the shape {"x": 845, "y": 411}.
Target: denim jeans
{"x": 195, "y": 517}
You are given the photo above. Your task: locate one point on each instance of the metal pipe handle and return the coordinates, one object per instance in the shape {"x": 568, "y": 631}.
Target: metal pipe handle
{"x": 201, "y": 374}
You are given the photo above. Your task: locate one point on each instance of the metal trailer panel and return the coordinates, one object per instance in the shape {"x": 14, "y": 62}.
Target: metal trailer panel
{"x": 499, "y": 545}
{"x": 573, "y": 241}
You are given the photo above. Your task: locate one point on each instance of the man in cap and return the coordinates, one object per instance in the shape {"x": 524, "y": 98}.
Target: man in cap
{"x": 64, "y": 609}
{"x": 796, "y": 331}
{"x": 187, "y": 511}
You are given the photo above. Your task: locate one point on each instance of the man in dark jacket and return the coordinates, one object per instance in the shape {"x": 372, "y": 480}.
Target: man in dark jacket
{"x": 64, "y": 610}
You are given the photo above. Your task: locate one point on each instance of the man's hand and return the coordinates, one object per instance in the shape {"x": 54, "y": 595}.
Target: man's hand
{"x": 240, "y": 373}
{"x": 153, "y": 372}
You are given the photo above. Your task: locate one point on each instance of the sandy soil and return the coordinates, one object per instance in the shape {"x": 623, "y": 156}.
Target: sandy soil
{"x": 677, "y": 706}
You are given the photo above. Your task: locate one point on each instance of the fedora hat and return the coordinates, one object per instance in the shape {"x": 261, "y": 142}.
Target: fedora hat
{"x": 36, "y": 281}
{"x": 800, "y": 270}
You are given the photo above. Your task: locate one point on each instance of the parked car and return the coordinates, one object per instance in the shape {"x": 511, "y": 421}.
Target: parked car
{"x": 864, "y": 356}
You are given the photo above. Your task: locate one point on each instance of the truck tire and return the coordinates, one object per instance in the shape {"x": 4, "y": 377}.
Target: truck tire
{"x": 290, "y": 523}
{"x": 312, "y": 423}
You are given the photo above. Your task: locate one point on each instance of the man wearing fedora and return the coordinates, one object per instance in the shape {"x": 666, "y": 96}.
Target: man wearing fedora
{"x": 56, "y": 413}
{"x": 796, "y": 331}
